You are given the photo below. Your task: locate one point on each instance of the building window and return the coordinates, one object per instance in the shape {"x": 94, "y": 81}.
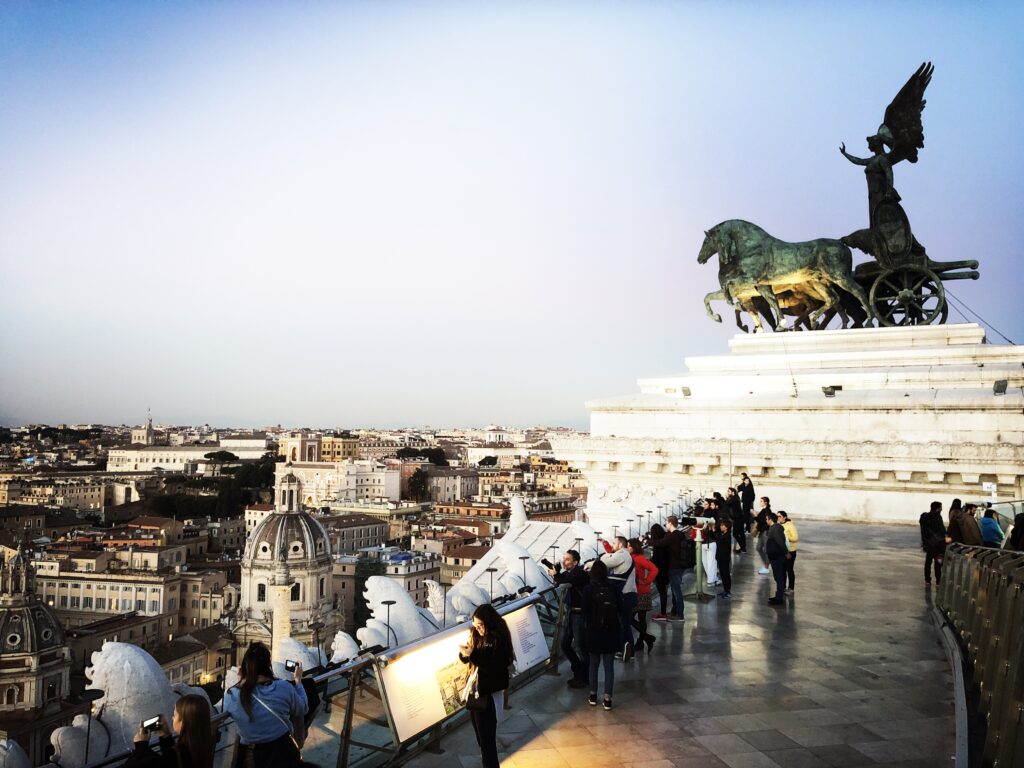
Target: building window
{"x": 154, "y": 606}
{"x": 296, "y": 592}
{"x": 322, "y": 582}
{"x": 101, "y": 603}
{"x": 261, "y": 593}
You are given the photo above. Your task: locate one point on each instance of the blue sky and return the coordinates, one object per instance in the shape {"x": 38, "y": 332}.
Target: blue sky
{"x": 451, "y": 213}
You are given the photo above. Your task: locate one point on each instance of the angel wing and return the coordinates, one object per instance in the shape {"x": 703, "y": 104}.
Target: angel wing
{"x": 903, "y": 117}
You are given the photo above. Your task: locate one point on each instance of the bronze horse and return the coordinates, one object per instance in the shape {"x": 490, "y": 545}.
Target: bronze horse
{"x": 752, "y": 263}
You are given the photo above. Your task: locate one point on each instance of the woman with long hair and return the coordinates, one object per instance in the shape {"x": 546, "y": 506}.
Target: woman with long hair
{"x": 661, "y": 557}
{"x": 646, "y": 572}
{"x": 194, "y": 747}
{"x": 489, "y": 653}
{"x": 602, "y": 604}
{"x": 268, "y": 712}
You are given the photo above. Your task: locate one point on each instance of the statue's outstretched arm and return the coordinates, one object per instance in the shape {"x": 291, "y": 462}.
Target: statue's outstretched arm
{"x": 851, "y": 158}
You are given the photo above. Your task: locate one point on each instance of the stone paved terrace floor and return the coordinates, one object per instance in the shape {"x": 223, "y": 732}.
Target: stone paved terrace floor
{"x": 848, "y": 673}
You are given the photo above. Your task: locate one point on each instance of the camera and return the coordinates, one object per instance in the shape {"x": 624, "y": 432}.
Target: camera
{"x": 151, "y": 724}
{"x": 555, "y": 566}
{"x": 290, "y": 665}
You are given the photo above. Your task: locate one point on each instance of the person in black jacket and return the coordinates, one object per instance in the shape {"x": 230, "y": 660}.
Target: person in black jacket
{"x": 933, "y": 541}
{"x": 761, "y": 533}
{"x": 572, "y": 573}
{"x": 777, "y": 552}
{"x": 490, "y": 653}
{"x": 737, "y": 518}
{"x": 602, "y": 604}
{"x": 661, "y": 558}
{"x": 723, "y": 557}
{"x": 747, "y": 500}
{"x": 194, "y": 747}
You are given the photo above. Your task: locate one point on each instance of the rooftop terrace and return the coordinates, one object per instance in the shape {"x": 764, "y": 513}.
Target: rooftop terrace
{"x": 848, "y": 673}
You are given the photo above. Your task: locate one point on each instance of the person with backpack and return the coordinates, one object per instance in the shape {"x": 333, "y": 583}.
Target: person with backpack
{"x": 602, "y": 605}
{"x": 572, "y": 573}
{"x": 736, "y": 517}
{"x": 622, "y": 576}
{"x": 747, "y": 496}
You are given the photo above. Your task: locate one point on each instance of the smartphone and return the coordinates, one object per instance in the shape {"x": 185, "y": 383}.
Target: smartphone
{"x": 151, "y": 724}
{"x": 290, "y": 665}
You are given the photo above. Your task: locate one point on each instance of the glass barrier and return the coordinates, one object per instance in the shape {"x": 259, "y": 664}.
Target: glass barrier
{"x": 982, "y": 598}
{"x": 388, "y": 705}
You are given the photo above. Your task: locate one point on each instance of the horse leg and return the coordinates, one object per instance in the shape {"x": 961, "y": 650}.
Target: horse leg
{"x": 739, "y": 321}
{"x": 768, "y": 294}
{"x": 716, "y": 296}
{"x": 851, "y": 286}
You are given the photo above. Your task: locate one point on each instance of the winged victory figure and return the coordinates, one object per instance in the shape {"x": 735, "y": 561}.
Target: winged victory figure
{"x": 898, "y": 138}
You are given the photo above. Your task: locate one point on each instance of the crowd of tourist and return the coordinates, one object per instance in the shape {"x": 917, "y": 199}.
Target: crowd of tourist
{"x": 613, "y": 595}
{"x": 963, "y": 527}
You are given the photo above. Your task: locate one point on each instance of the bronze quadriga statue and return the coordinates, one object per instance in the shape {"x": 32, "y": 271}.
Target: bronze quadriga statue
{"x": 815, "y": 281}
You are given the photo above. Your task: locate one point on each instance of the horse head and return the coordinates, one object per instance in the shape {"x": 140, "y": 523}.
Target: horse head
{"x": 710, "y": 246}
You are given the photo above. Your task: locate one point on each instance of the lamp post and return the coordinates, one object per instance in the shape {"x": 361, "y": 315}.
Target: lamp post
{"x": 90, "y": 695}
{"x": 491, "y": 571}
{"x": 523, "y": 559}
{"x": 316, "y": 626}
{"x": 630, "y": 521}
{"x": 444, "y": 604}
{"x": 388, "y": 603}
{"x": 649, "y": 513}
{"x": 579, "y": 541}
{"x": 597, "y": 544}
{"x": 615, "y": 531}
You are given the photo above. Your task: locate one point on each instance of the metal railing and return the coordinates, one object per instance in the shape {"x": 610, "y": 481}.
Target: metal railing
{"x": 354, "y": 729}
{"x": 982, "y": 600}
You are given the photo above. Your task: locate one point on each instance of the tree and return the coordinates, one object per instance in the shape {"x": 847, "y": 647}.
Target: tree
{"x": 434, "y": 455}
{"x": 488, "y": 461}
{"x": 221, "y": 456}
{"x": 419, "y": 484}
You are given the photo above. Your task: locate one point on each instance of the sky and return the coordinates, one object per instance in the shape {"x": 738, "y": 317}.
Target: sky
{"x": 452, "y": 213}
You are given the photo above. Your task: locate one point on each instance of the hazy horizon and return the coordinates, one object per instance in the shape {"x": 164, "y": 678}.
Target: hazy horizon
{"x": 450, "y": 212}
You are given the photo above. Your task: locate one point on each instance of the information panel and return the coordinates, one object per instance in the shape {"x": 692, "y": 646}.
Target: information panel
{"x": 426, "y": 685}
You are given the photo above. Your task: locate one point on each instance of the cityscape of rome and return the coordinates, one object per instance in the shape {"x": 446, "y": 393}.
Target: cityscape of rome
{"x": 511, "y": 385}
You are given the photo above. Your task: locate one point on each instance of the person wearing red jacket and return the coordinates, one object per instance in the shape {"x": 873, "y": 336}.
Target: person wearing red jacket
{"x": 646, "y": 571}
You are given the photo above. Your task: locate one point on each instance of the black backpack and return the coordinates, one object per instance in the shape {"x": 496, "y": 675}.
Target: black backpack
{"x": 603, "y": 612}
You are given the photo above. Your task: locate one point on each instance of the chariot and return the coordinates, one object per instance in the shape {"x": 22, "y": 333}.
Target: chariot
{"x": 903, "y": 285}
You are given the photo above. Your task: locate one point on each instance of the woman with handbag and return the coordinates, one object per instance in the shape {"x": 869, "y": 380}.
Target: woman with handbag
{"x": 268, "y": 712}
{"x": 194, "y": 747}
{"x": 489, "y": 653}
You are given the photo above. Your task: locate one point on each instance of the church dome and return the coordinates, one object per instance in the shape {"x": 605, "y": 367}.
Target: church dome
{"x": 27, "y": 625}
{"x": 289, "y": 537}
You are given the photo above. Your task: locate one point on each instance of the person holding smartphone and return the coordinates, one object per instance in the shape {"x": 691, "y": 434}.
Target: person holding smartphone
{"x": 268, "y": 712}
{"x": 490, "y": 652}
{"x": 194, "y": 747}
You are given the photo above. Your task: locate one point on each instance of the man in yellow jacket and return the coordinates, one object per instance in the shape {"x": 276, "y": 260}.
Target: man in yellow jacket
{"x": 792, "y": 537}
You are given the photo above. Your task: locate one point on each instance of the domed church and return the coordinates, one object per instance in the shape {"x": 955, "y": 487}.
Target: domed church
{"x": 287, "y": 567}
{"x": 35, "y": 663}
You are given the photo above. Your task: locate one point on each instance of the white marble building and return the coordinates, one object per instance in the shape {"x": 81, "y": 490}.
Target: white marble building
{"x": 868, "y": 424}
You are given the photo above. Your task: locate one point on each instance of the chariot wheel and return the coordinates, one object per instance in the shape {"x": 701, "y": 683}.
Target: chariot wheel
{"x": 908, "y": 295}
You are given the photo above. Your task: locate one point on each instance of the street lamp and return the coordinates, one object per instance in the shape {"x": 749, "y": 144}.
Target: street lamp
{"x": 597, "y": 544}
{"x": 316, "y": 626}
{"x": 630, "y": 521}
{"x": 523, "y": 559}
{"x": 388, "y": 603}
{"x": 649, "y": 513}
{"x": 491, "y": 571}
{"x": 90, "y": 695}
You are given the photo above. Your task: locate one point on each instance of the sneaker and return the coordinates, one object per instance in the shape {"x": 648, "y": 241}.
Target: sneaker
{"x": 660, "y": 617}
{"x": 725, "y": 595}
{"x": 593, "y": 699}
{"x": 673, "y": 617}
{"x": 737, "y": 551}
{"x": 763, "y": 571}
{"x": 927, "y": 582}
{"x": 574, "y": 683}
{"x": 775, "y": 601}
{"x": 607, "y": 703}
{"x": 618, "y": 657}
{"x": 627, "y": 652}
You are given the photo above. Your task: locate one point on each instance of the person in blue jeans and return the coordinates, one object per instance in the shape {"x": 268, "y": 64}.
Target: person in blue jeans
{"x": 681, "y": 564}
{"x": 602, "y": 605}
{"x": 622, "y": 576}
